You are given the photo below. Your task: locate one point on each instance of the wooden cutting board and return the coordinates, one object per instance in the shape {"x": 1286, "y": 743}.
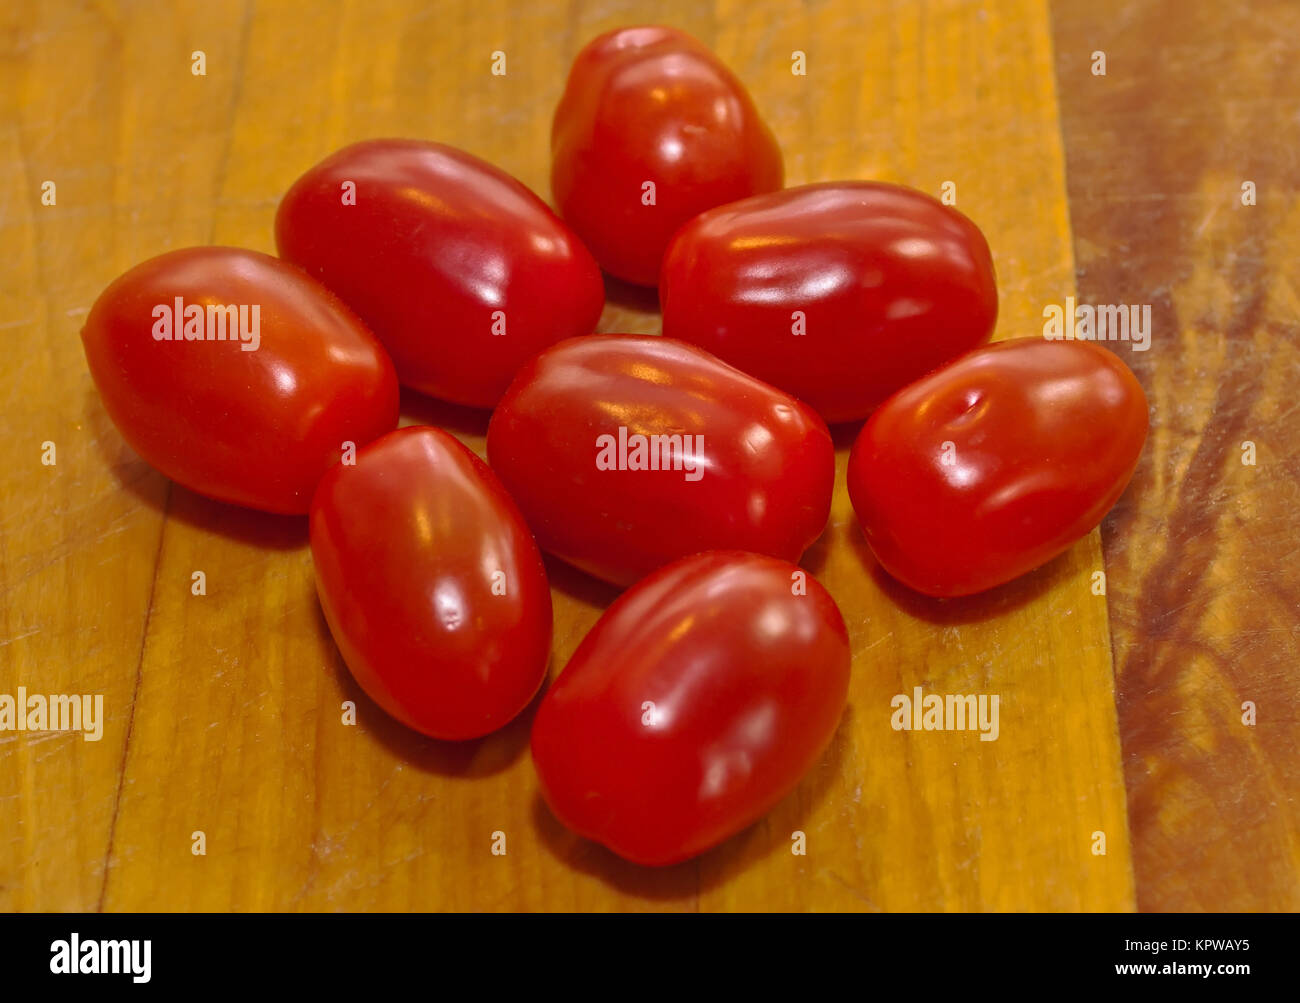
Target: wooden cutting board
{"x": 223, "y": 712}
{"x": 1182, "y": 182}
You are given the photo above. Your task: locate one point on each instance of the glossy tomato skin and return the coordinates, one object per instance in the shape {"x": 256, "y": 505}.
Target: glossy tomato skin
{"x": 694, "y": 705}
{"x": 431, "y": 584}
{"x": 995, "y": 464}
{"x": 254, "y": 427}
{"x": 461, "y": 271}
{"x": 758, "y": 475}
{"x": 885, "y": 283}
{"x": 653, "y": 104}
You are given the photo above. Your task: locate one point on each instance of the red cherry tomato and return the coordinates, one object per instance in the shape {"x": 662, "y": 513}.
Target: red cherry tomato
{"x": 838, "y": 293}
{"x": 694, "y": 705}
{"x": 652, "y": 106}
{"x": 997, "y": 463}
{"x": 236, "y": 375}
{"x": 460, "y": 270}
{"x": 625, "y": 452}
{"x": 431, "y": 584}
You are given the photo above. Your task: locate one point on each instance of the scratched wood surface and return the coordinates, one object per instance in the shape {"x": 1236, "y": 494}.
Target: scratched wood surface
{"x": 223, "y": 711}
{"x": 1202, "y": 551}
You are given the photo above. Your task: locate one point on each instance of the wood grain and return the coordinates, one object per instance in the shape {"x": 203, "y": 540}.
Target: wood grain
{"x": 224, "y": 710}
{"x": 1205, "y": 586}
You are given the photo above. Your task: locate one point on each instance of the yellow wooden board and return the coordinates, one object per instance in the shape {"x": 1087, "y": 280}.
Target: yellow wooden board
{"x": 223, "y": 711}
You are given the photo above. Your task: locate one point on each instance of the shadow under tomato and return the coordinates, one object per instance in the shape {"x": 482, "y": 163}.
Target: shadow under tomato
{"x": 420, "y": 409}
{"x": 259, "y": 529}
{"x": 772, "y": 833}
{"x": 644, "y": 299}
{"x": 845, "y": 433}
{"x": 975, "y": 608}
{"x": 234, "y": 522}
{"x": 475, "y": 757}
{"x": 678, "y": 881}
{"x": 577, "y": 584}
{"x": 700, "y": 874}
{"x": 174, "y": 501}
{"x": 814, "y": 558}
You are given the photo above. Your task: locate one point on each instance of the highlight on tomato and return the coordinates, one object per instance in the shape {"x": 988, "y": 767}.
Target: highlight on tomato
{"x": 694, "y": 705}
{"x": 237, "y": 375}
{"x": 625, "y": 452}
{"x": 838, "y": 293}
{"x": 997, "y": 463}
{"x": 459, "y": 269}
{"x": 431, "y": 584}
{"x": 651, "y": 130}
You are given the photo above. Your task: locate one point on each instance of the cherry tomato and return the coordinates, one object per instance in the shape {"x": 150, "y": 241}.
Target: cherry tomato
{"x": 460, "y": 270}
{"x": 651, "y": 130}
{"x": 236, "y": 375}
{"x": 431, "y": 584}
{"x": 625, "y": 452}
{"x": 837, "y": 293}
{"x": 996, "y": 463}
{"x": 695, "y": 704}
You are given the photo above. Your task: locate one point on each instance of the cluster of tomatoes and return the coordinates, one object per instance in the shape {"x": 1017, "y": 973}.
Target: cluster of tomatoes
{"x": 691, "y": 469}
